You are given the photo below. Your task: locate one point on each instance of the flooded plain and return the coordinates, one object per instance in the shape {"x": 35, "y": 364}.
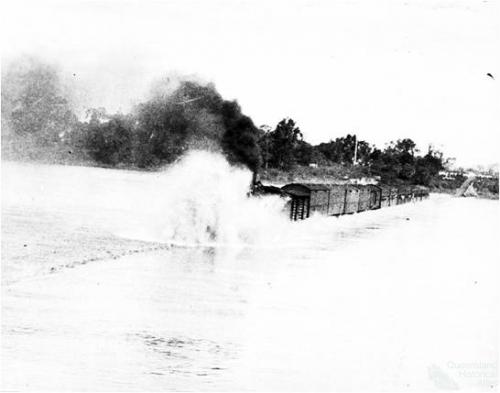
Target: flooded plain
{"x": 122, "y": 280}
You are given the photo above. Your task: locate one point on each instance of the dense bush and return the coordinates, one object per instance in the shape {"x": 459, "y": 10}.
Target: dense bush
{"x": 38, "y": 121}
{"x": 109, "y": 142}
{"x": 283, "y": 148}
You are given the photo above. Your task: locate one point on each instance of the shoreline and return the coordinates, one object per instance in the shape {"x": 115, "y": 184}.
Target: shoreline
{"x": 334, "y": 174}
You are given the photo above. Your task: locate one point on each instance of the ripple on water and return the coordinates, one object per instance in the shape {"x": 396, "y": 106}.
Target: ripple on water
{"x": 187, "y": 356}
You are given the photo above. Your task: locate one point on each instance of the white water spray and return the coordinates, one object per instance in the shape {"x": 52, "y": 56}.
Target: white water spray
{"x": 203, "y": 200}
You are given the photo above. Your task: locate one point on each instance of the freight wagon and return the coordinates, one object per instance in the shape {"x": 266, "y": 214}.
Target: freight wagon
{"x": 339, "y": 199}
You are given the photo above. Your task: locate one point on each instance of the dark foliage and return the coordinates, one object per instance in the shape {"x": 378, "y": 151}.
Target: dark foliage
{"x": 342, "y": 150}
{"x": 284, "y": 145}
{"x": 427, "y": 167}
{"x": 283, "y": 148}
{"x": 108, "y": 139}
{"x": 37, "y": 120}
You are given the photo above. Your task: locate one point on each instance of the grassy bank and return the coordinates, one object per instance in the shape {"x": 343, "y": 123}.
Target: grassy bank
{"x": 324, "y": 174}
{"x": 486, "y": 188}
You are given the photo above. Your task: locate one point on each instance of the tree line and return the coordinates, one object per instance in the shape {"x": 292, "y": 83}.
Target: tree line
{"x": 400, "y": 161}
{"x": 38, "y": 122}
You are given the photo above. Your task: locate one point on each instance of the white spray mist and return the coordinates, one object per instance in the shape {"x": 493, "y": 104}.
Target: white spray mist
{"x": 203, "y": 200}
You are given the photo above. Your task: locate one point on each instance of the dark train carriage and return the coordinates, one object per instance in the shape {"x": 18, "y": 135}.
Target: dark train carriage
{"x": 375, "y": 196}
{"x": 319, "y": 198}
{"x": 364, "y": 198}
{"x": 336, "y": 199}
{"x": 393, "y": 199}
{"x": 307, "y": 198}
{"x": 405, "y": 195}
{"x": 385, "y": 197}
{"x": 369, "y": 197}
{"x": 389, "y": 196}
{"x": 351, "y": 202}
{"x": 420, "y": 193}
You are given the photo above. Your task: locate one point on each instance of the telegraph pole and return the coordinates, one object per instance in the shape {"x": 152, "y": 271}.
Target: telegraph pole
{"x": 355, "y": 150}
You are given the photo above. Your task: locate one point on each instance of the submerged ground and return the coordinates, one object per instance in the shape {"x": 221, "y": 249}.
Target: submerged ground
{"x": 116, "y": 280}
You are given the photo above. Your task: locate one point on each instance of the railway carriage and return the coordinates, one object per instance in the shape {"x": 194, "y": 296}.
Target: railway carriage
{"x": 306, "y": 198}
{"x": 351, "y": 202}
{"x": 369, "y": 197}
{"x": 420, "y": 193}
{"x": 338, "y": 199}
{"x": 375, "y": 197}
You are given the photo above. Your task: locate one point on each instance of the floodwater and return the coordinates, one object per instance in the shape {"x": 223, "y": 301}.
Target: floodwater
{"x": 121, "y": 280}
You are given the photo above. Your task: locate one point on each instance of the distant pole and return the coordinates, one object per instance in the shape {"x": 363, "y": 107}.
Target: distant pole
{"x": 267, "y": 150}
{"x": 355, "y": 150}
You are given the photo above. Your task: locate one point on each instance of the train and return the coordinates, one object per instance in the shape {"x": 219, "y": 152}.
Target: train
{"x": 305, "y": 199}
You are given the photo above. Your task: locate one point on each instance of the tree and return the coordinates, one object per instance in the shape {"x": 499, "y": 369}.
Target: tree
{"x": 35, "y": 106}
{"x": 264, "y": 142}
{"x": 161, "y": 132}
{"x": 284, "y": 140}
{"x": 108, "y": 138}
{"x": 342, "y": 150}
{"x": 405, "y": 146}
{"x": 428, "y": 167}
{"x": 385, "y": 164}
{"x": 304, "y": 153}
{"x": 364, "y": 152}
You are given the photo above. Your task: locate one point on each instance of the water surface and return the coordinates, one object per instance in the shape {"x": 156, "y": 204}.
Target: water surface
{"x": 96, "y": 296}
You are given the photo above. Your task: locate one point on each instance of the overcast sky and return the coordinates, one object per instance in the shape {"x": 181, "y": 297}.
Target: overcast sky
{"x": 382, "y": 69}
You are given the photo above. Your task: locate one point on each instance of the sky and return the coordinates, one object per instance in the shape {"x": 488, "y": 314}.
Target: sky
{"x": 382, "y": 69}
